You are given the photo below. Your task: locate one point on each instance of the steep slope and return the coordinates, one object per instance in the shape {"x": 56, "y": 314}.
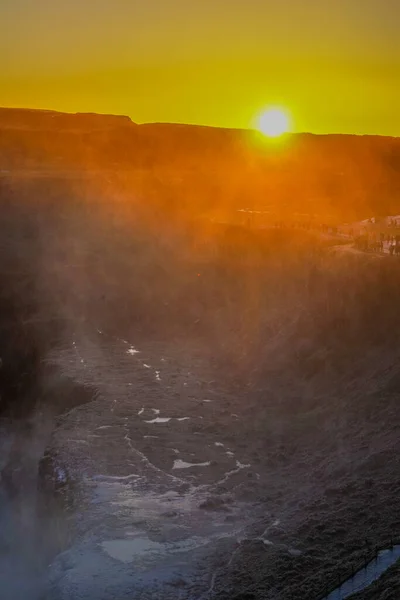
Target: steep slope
{"x": 260, "y": 348}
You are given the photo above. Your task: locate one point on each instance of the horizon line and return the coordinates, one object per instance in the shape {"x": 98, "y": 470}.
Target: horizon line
{"x": 186, "y": 124}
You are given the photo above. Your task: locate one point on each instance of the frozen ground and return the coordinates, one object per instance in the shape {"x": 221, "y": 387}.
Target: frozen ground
{"x": 173, "y": 482}
{"x": 174, "y": 498}
{"x": 158, "y": 496}
{"x": 242, "y": 444}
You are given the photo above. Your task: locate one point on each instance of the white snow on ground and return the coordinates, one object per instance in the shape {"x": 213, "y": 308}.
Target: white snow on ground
{"x": 166, "y": 419}
{"x": 146, "y": 366}
{"x": 268, "y": 542}
{"x": 115, "y": 477}
{"x": 181, "y": 464}
{"x": 218, "y": 444}
{"x": 127, "y": 550}
{"x": 60, "y": 475}
{"x": 143, "y": 494}
{"x": 239, "y": 467}
{"x": 132, "y": 351}
{"x": 141, "y": 550}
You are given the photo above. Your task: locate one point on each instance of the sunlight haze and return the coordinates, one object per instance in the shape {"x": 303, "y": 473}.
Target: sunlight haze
{"x": 199, "y": 299}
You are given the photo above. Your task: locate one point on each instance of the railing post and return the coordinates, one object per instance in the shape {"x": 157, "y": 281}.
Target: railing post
{"x": 368, "y": 555}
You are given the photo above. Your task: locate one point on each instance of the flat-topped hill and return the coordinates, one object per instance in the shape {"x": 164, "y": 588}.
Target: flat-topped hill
{"x": 346, "y": 177}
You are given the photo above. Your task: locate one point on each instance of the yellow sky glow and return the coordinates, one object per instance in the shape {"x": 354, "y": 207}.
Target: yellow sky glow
{"x": 334, "y": 66}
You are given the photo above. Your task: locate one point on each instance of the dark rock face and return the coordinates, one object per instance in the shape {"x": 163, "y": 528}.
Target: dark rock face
{"x": 214, "y": 503}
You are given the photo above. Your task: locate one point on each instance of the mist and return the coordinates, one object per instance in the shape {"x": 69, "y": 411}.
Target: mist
{"x": 194, "y": 404}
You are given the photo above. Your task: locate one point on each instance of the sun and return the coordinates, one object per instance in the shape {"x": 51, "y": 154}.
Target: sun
{"x": 273, "y": 122}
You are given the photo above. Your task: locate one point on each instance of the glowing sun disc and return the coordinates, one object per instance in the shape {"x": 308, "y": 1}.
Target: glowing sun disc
{"x": 273, "y": 122}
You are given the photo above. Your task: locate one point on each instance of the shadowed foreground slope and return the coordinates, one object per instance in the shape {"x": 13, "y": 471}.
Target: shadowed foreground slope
{"x": 264, "y": 357}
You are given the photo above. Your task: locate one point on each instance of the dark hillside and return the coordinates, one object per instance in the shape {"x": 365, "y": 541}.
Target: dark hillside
{"x": 212, "y": 169}
{"x": 271, "y": 357}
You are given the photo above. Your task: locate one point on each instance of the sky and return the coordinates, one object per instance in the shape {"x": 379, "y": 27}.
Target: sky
{"x": 334, "y": 65}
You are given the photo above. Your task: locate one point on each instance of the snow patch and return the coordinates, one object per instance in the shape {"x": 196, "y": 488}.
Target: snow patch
{"x": 115, "y": 477}
{"x": 181, "y": 464}
{"x": 132, "y": 351}
{"x": 141, "y": 550}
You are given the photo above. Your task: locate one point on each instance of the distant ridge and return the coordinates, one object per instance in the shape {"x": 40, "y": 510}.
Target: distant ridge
{"x": 348, "y": 176}
{"x": 48, "y": 119}
{"x": 28, "y": 118}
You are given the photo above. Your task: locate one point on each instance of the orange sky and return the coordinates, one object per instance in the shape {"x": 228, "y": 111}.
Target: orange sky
{"x": 334, "y": 64}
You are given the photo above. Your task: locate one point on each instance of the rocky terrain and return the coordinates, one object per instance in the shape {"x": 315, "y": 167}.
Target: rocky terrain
{"x": 190, "y": 410}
